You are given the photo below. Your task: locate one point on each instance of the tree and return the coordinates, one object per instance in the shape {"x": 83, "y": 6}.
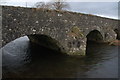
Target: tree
{"x": 60, "y": 5}
{"x": 57, "y": 5}
{"x": 40, "y": 5}
{"x": 43, "y": 5}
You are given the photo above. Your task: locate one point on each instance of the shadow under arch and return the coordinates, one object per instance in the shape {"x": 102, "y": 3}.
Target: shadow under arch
{"x": 44, "y": 45}
{"x": 93, "y": 37}
{"x": 117, "y": 32}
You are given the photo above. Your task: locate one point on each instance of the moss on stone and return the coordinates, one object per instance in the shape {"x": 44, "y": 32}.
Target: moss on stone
{"x": 76, "y": 32}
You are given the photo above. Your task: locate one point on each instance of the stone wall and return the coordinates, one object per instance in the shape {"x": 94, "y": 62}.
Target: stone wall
{"x": 18, "y": 21}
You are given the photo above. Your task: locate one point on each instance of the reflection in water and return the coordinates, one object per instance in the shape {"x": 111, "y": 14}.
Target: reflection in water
{"x": 21, "y": 60}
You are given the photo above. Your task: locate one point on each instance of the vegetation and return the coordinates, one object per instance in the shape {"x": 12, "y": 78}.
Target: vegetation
{"x": 60, "y": 5}
{"x": 76, "y": 32}
{"x": 43, "y": 5}
{"x": 56, "y": 5}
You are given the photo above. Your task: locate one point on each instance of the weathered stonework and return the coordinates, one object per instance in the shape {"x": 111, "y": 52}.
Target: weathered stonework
{"x": 17, "y": 22}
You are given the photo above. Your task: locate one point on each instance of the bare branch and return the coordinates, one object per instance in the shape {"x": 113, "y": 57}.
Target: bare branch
{"x": 60, "y": 5}
{"x": 40, "y": 5}
{"x": 57, "y": 5}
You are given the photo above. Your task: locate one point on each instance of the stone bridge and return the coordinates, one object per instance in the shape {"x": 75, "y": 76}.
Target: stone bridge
{"x": 69, "y": 31}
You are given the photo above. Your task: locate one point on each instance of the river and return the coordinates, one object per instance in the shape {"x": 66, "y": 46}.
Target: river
{"x": 101, "y": 62}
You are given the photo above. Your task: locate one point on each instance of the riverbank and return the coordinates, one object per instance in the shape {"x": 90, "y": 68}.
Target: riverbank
{"x": 115, "y": 43}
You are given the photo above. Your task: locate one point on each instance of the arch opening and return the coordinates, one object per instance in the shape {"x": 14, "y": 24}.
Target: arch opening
{"x": 117, "y": 32}
{"x": 94, "y": 36}
{"x": 35, "y": 46}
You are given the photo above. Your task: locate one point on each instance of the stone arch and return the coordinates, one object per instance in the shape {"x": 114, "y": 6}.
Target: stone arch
{"x": 46, "y": 41}
{"x": 43, "y": 40}
{"x": 95, "y": 36}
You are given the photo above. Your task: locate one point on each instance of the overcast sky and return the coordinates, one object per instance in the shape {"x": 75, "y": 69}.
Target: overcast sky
{"x": 106, "y": 8}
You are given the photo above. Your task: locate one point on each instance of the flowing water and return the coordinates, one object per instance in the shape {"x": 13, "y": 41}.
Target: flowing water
{"x": 20, "y": 60}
